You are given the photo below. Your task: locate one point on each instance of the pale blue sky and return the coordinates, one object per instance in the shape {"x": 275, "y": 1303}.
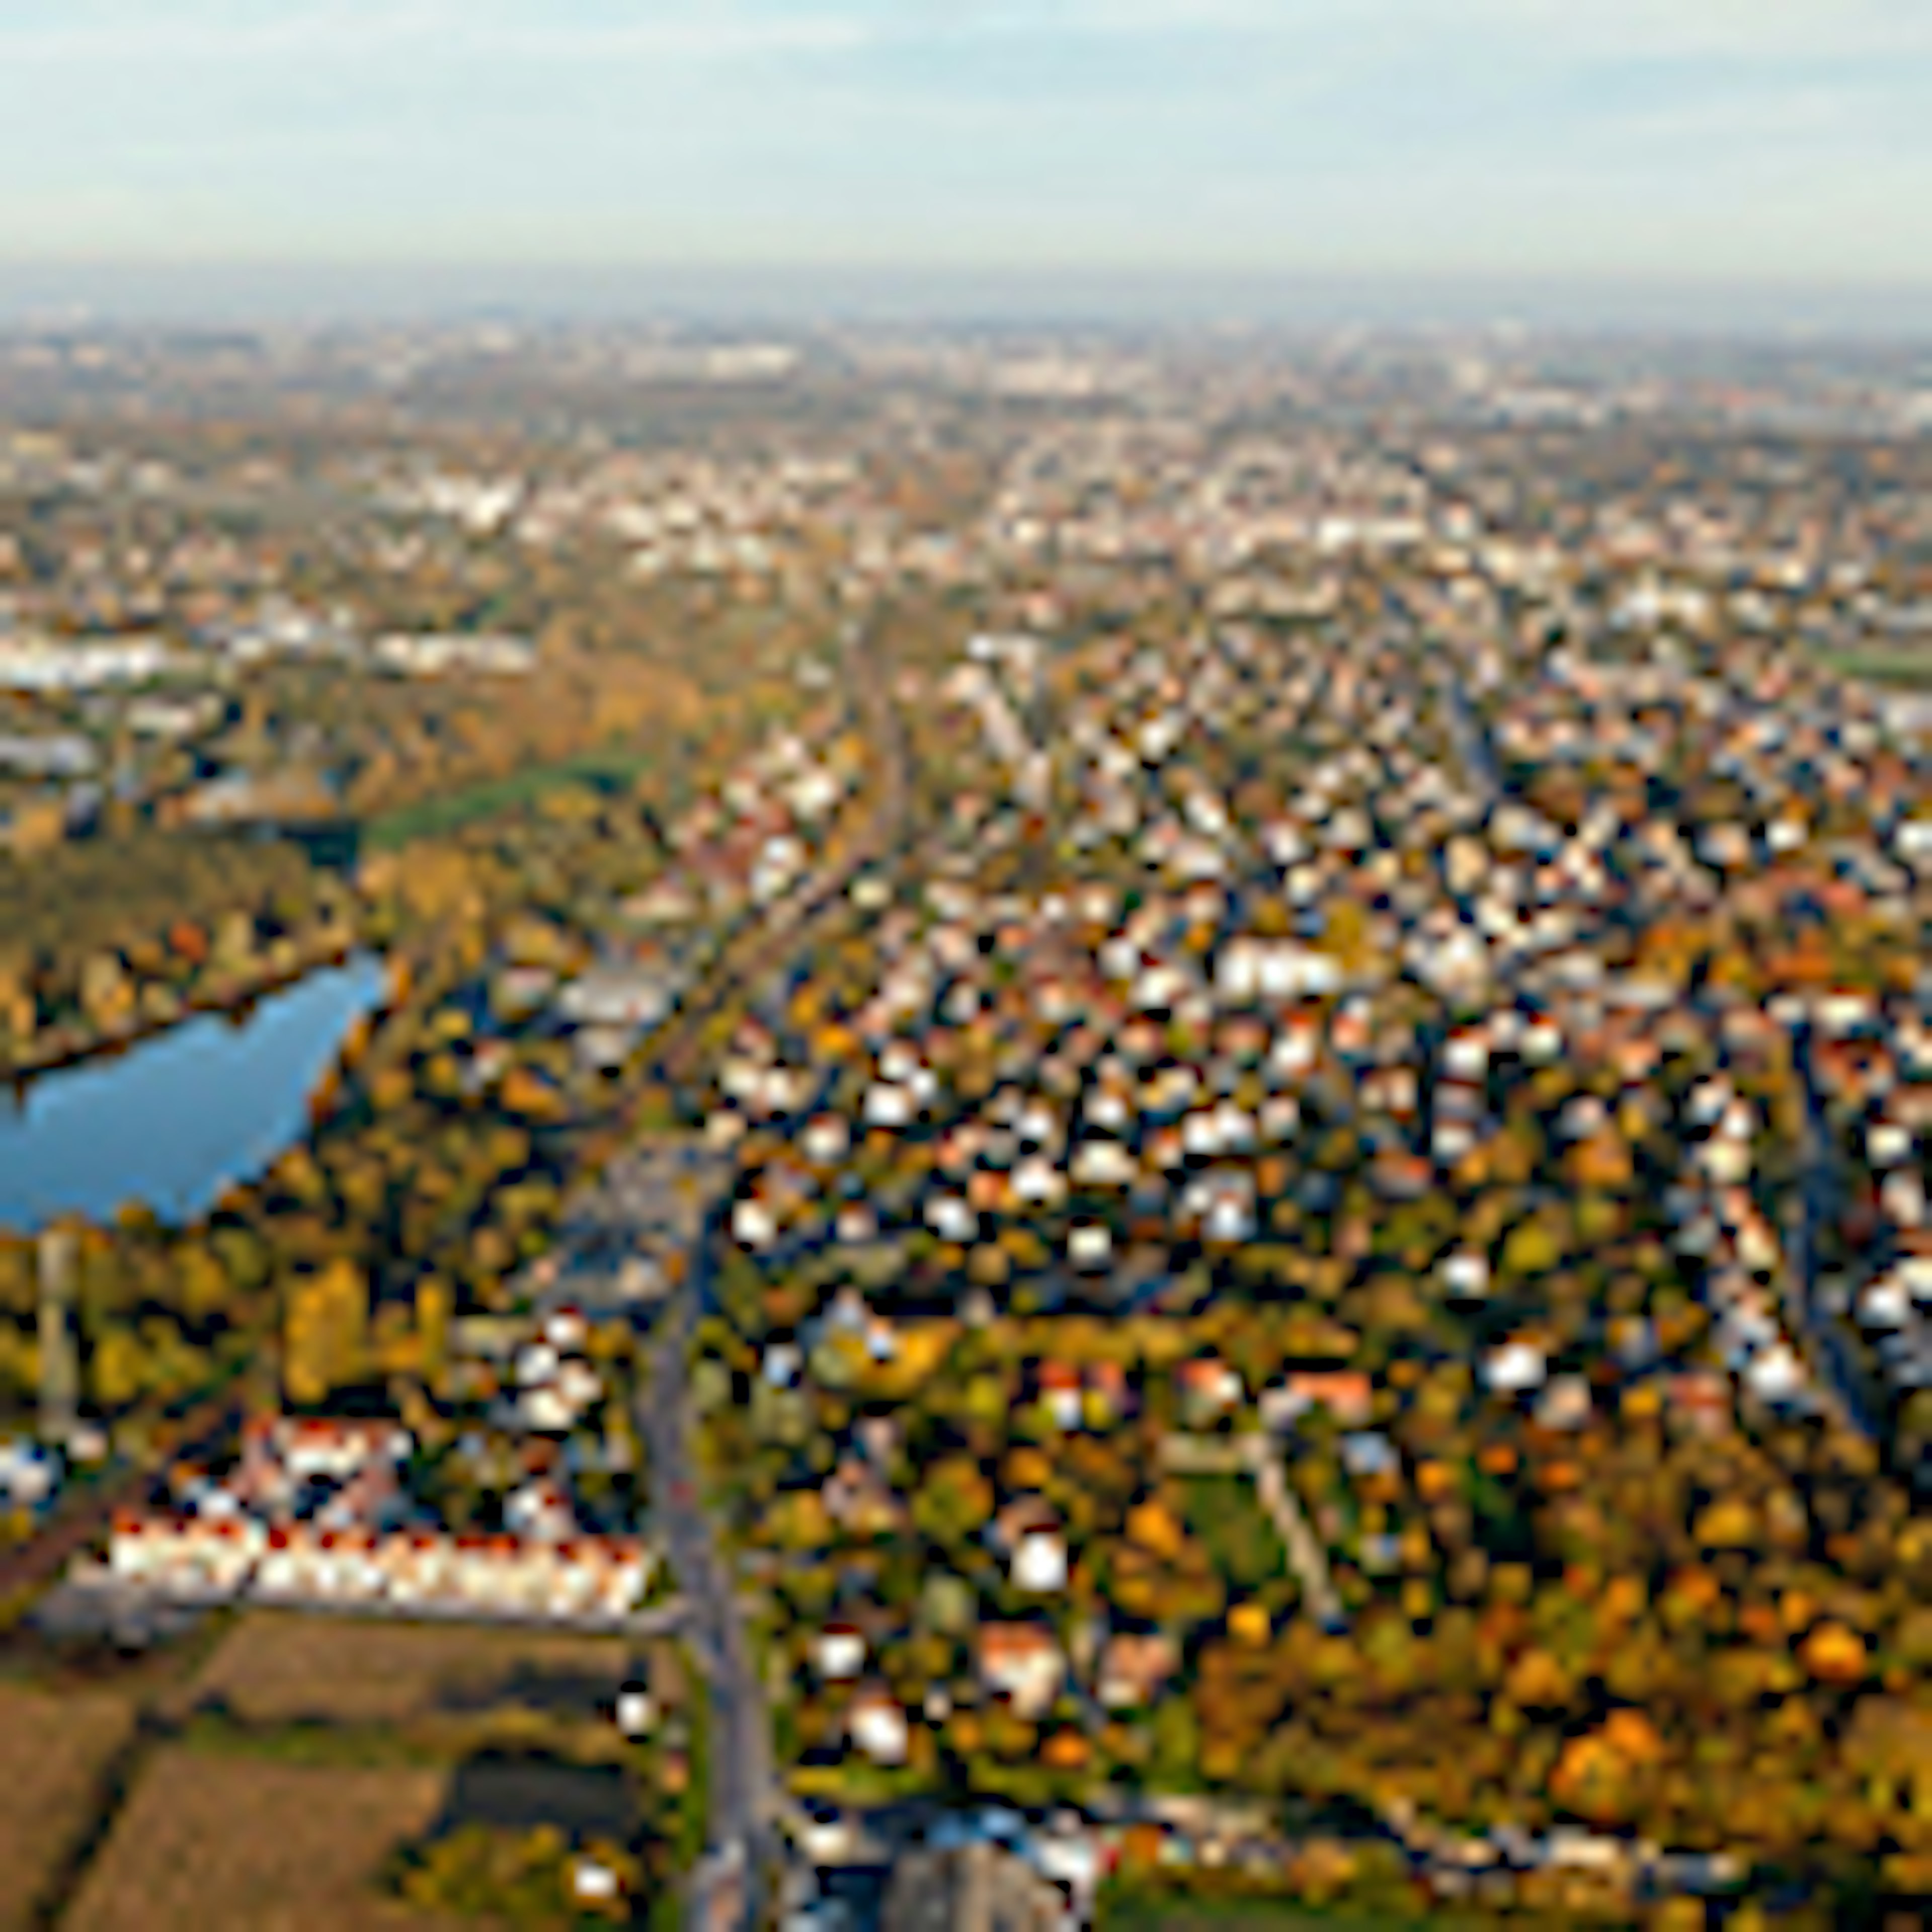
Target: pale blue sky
{"x": 1782, "y": 138}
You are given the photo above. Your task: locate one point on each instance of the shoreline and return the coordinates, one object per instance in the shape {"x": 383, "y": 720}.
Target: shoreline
{"x": 318, "y": 1101}
{"x": 235, "y": 1003}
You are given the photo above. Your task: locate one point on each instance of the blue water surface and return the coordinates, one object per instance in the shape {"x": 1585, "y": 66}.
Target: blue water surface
{"x": 176, "y": 1120}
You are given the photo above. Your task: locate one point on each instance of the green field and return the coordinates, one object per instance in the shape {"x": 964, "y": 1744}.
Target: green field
{"x": 1894, "y": 664}
{"x": 450, "y": 811}
{"x": 1228, "y": 1517}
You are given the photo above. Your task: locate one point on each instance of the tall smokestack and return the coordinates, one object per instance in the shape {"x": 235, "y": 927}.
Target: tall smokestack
{"x": 60, "y": 1372}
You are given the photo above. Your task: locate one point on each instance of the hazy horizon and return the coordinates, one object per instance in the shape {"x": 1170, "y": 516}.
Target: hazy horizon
{"x": 53, "y": 295}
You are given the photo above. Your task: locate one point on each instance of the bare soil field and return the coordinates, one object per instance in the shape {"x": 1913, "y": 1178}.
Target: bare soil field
{"x": 278, "y": 1669}
{"x": 210, "y": 1842}
{"x": 54, "y": 1754}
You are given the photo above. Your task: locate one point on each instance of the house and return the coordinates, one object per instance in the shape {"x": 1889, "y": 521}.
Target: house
{"x": 858, "y": 1499}
{"x": 1348, "y": 1395}
{"x": 1564, "y": 1403}
{"x": 1514, "y": 1368}
{"x": 565, "y": 1329}
{"x": 1038, "y": 1182}
{"x": 174, "y": 1555}
{"x": 1703, "y": 1400}
{"x": 306, "y": 1448}
{"x": 221, "y": 1553}
{"x": 1021, "y": 1663}
{"x": 1060, "y": 1390}
{"x": 753, "y": 1224}
{"x": 286, "y": 1568}
{"x": 30, "y": 1475}
{"x": 952, "y": 1219}
{"x": 626, "y": 997}
{"x": 539, "y": 1512}
{"x": 1108, "y": 1398}
{"x": 1089, "y": 1246}
{"x": 1103, "y": 1163}
{"x": 838, "y": 1652}
{"x": 1039, "y": 1562}
{"x": 1776, "y": 1374}
{"x": 1135, "y": 1668}
{"x": 878, "y": 1726}
{"x": 1209, "y": 1389}
{"x": 1368, "y": 1453}
{"x": 825, "y": 1140}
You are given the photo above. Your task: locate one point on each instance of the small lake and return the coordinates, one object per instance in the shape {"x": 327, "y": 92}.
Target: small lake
{"x": 173, "y": 1121}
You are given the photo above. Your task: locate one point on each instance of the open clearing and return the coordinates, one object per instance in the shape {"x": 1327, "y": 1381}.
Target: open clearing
{"x": 214, "y": 1843}
{"x": 286, "y": 1668}
{"x": 54, "y": 1752}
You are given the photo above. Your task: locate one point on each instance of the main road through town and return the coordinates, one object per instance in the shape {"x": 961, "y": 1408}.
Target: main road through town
{"x": 743, "y": 1795}
{"x": 665, "y": 1194}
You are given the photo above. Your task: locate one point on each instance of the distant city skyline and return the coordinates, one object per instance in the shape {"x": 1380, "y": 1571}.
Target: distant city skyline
{"x": 1698, "y": 145}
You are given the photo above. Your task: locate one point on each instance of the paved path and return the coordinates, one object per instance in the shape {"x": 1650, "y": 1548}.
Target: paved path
{"x": 81, "y": 1518}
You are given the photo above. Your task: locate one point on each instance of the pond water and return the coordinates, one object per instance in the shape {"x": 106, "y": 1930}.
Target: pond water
{"x": 176, "y": 1120}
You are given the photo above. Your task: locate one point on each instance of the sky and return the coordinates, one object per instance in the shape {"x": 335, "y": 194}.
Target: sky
{"x": 1783, "y": 141}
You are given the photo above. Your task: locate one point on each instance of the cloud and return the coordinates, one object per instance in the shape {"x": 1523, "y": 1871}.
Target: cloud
{"x": 1762, "y": 30}
{"x": 1360, "y": 36}
{"x": 352, "y": 31}
{"x": 1617, "y": 29}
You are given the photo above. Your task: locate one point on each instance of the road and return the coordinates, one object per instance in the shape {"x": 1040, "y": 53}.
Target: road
{"x": 759, "y": 949}
{"x": 661, "y": 1199}
{"x": 1813, "y": 1209}
{"x": 1470, "y": 740}
{"x": 743, "y": 1793}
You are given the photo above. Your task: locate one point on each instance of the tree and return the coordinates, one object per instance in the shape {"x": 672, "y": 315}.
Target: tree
{"x": 117, "y": 1369}
{"x": 325, "y": 1334}
{"x": 201, "y": 1281}
{"x": 1176, "y": 1744}
{"x": 953, "y": 1502}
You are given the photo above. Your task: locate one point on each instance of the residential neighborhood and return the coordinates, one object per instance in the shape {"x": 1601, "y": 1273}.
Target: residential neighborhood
{"x": 1101, "y": 1131}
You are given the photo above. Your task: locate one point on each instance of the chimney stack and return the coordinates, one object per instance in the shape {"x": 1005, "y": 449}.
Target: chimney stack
{"x": 60, "y": 1372}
